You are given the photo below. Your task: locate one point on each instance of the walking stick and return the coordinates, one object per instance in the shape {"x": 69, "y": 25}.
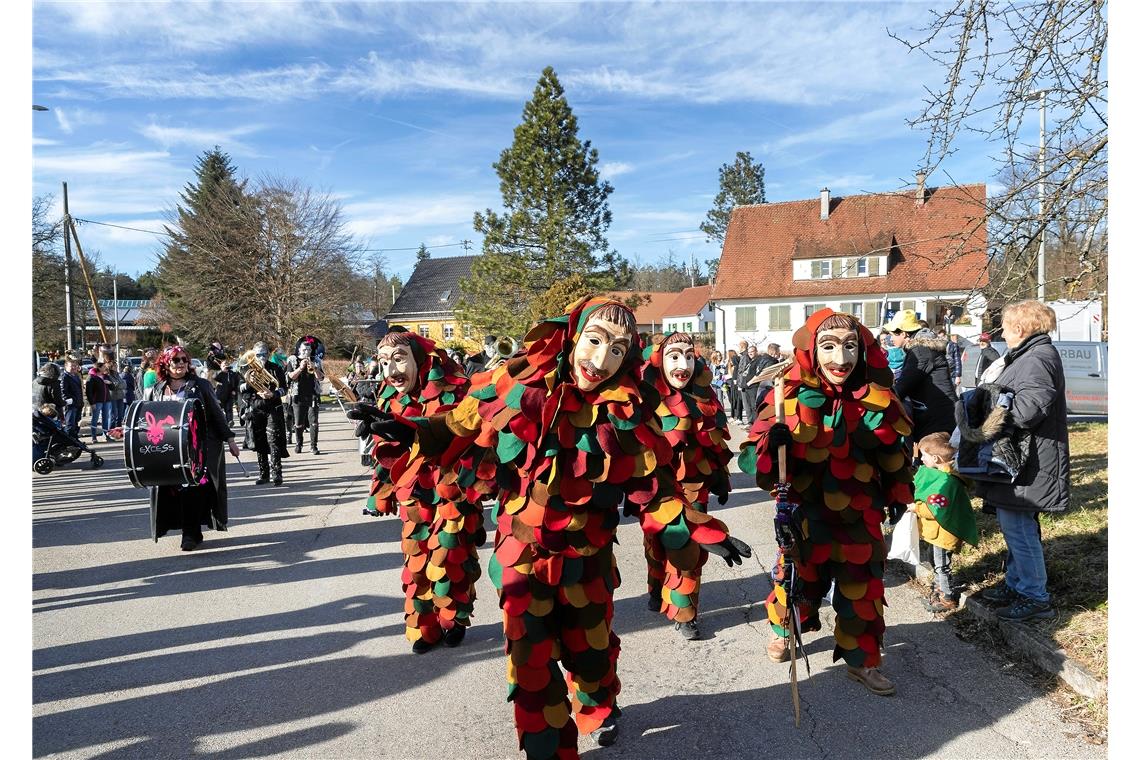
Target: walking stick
{"x": 787, "y": 533}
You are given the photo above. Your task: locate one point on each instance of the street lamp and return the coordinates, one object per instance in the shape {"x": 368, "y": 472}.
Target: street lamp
{"x": 39, "y": 108}
{"x": 1039, "y": 96}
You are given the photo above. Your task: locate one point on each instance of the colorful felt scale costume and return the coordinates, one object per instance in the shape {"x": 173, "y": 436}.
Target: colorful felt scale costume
{"x": 441, "y": 529}
{"x": 846, "y": 465}
{"x": 694, "y": 423}
{"x": 561, "y": 460}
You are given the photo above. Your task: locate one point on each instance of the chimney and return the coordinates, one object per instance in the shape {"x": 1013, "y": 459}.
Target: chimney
{"x": 920, "y": 193}
{"x": 824, "y": 204}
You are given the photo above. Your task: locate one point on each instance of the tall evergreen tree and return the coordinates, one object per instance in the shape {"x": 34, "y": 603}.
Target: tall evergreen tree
{"x": 553, "y": 224}
{"x": 197, "y": 269}
{"x": 741, "y": 184}
{"x": 422, "y": 253}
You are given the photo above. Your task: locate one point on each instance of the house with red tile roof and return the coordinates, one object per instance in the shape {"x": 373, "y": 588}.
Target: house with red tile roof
{"x": 691, "y": 311}
{"x": 651, "y": 313}
{"x": 868, "y": 255}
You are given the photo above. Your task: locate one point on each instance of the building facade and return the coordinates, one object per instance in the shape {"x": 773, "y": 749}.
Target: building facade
{"x": 867, "y": 255}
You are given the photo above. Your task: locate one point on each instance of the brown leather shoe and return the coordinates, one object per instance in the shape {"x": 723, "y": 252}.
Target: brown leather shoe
{"x": 778, "y": 649}
{"x": 873, "y": 679}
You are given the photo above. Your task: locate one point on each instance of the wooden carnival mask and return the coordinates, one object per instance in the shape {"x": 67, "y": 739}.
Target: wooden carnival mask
{"x": 837, "y": 353}
{"x": 680, "y": 361}
{"x": 599, "y": 353}
{"x": 399, "y": 368}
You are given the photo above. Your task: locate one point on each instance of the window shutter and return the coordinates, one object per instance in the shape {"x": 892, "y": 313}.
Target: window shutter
{"x": 873, "y": 265}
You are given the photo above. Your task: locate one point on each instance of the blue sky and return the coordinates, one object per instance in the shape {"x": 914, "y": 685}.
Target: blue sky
{"x": 400, "y": 109}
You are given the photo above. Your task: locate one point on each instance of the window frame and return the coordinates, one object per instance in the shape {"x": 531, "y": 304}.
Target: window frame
{"x": 780, "y": 324}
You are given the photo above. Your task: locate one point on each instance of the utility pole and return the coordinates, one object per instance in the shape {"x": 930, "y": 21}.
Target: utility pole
{"x": 68, "y": 305}
{"x": 115, "y": 295}
{"x": 466, "y": 246}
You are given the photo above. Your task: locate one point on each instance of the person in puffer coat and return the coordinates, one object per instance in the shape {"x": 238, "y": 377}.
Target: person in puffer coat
{"x": 1031, "y": 369}
{"x": 924, "y": 380}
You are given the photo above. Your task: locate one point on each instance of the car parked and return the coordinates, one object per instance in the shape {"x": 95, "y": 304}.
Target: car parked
{"x": 1086, "y": 371}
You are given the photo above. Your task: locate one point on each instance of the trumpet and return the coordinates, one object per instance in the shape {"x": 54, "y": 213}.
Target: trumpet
{"x": 255, "y": 373}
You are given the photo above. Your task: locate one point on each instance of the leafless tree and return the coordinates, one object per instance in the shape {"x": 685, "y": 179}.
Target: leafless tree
{"x": 999, "y": 57}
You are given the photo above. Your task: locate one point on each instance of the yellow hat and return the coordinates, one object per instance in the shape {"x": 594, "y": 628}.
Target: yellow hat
{"x": 905, "y": 320}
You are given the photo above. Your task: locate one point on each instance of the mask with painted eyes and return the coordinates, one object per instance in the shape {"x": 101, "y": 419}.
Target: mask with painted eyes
{"x": 837, "y": 353}
{"x": 599, "y": 353}
{"x": 680, "y": 361}
{"x": 304, "y": 351}
{"x": 398, "y": 367}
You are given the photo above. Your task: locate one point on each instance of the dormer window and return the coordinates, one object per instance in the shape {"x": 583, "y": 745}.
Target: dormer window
{"x": 446, "y": 295}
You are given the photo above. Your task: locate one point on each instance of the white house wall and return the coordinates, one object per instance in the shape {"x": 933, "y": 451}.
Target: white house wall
{"x": 728, "y": 335}
{"x": 707, "y": 317}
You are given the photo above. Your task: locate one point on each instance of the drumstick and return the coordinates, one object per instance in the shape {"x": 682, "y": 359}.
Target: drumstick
{"x": 244, "y": 472}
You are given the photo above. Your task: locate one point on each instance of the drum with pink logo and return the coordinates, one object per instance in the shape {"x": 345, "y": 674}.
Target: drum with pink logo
{"x": 164, "y": 443}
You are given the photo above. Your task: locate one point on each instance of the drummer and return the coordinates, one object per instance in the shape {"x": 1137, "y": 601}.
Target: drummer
{"x": 191, "y": 507}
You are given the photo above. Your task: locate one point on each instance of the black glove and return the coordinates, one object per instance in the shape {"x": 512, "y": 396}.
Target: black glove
{"x": 722, "y": 497}
{"x": 779, "y": 435}
{"x": 895, "y": 512}
{"x": 362, "y": 429}
{"x": 731, "y": 550}
{"x": 396, "y": 432}
{"x": 366, "y": 414}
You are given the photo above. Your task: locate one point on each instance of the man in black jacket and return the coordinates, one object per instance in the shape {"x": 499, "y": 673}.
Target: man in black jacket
{"x": 226, "y": 383}
{"x": 986, "y": 357}
{"x": 924, "y": 380}
{"x": 71, "y": 388}
{"x": 265, "y": 419}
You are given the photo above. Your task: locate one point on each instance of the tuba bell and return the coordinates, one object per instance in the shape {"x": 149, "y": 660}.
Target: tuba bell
{"x": 505, "y": 348}
{"x": 255, "y": 373}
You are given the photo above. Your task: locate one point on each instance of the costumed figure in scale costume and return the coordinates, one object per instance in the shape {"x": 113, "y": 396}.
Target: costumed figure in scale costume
{"x": 561, "y": 434}
{"x": 441, "y": 530}
{"x": 693, "y": 421}
{"x": 847, "y": 465}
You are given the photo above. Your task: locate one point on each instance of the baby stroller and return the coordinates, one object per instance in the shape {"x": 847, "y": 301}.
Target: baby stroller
{"x": 59, "y": 447}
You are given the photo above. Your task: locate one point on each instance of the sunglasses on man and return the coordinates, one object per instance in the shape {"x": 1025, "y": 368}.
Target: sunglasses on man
{"x": 180, "y": 360}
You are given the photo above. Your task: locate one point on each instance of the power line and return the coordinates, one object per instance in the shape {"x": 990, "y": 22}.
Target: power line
{"x": 465, "y": 243}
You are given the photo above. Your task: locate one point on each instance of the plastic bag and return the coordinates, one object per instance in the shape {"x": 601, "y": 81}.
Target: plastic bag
{"x": 904, "y": 539}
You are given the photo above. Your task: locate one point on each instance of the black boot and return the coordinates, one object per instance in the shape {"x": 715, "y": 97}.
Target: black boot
{"x": 263, "y": 469}
{"x": 275, "y": 469}
{"x": 300, "y": 439}
{"x": 313, "y": 441}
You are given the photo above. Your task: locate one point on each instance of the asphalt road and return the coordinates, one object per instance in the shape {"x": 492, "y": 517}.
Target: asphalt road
{"x": 283, "y": 637}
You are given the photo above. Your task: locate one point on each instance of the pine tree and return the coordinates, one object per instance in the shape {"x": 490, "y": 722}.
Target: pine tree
{"x": 554, "y": 219}
{"x": 422, "y": 253}
{"x": 741, "y": 184}
{"x": 196, "y": 272}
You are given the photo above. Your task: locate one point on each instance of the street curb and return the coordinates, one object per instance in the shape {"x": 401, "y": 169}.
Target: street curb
{"x": 1021, "y": 639}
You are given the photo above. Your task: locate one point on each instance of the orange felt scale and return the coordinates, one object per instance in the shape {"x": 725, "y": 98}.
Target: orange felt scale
{"x": 838, "y": 484}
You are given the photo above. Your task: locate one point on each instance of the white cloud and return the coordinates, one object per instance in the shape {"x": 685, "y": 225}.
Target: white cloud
{"x": 854, "y": 128}
{"x": 387, "y": 215}
{"x": 103, "y": 162}
{"x": 610, "y": 169}
{"x": 168, "y": 137}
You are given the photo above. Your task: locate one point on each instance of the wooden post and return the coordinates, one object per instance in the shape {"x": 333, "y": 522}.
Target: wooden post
{"x": 87, "y": 279}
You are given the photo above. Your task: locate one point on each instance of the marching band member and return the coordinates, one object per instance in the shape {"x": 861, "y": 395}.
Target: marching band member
{"x": 265, "y": 417}
{"x": 305, "y": 374}
{"x": 191, "y": 507}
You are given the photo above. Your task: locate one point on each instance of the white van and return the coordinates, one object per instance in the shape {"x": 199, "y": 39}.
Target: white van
{"x": 1086, "y": 372}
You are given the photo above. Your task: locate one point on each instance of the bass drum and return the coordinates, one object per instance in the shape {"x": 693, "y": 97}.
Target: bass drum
{"x": 164, "y": 443}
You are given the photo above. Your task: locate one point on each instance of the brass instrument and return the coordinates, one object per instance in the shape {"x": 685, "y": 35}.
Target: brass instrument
{"x": 255, "y": 374}
{"x": 505, "y": 348}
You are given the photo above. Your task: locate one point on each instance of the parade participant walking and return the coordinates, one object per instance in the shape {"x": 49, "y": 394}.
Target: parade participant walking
{"x": 71, "y": 388}
{"x": 305, "y": 377}
{"x": 694, "y": 423}
{"x": 441, "y": 528}
{"x": 191, "y": 507}
{"x": 262, "y": 394}
{"x": 227, "y": 384}
{"x": 846, "y": 465}
{"x": 562, "y": 433}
